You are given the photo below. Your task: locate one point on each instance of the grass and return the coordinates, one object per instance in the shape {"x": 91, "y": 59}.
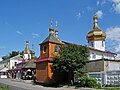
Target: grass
{"x": 110, "y": 88}
{"x": 3, "y": 87}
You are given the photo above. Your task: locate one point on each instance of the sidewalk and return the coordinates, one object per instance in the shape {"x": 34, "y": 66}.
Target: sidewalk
{"x": 63, "y": 88}
{"x": 24, "y": 81}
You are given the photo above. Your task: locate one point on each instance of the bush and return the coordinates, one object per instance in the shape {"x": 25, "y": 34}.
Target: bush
{"x": 88, "y": 82}
{"x": 111, "y": 85}
{"x": 91, "y": 82}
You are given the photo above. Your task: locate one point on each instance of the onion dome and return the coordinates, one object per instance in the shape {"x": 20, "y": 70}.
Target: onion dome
{"x": 96, "y": 33}
{"x": 32, "y": 52}
{"x": 27, "y": 50}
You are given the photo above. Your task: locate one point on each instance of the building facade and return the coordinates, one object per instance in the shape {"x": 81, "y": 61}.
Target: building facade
{"x": 102, "y": 64}
{"x": 26, "y": 68}
{"x": 48, "y": 49}
{"x": 100, "y": 60}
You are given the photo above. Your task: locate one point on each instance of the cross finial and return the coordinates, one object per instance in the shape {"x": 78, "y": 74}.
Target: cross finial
{"x": 32, "y": 46}
{"x": 95, "y": 11}
{"x": 56, "y": 24}
{"x": 51, "y": 22}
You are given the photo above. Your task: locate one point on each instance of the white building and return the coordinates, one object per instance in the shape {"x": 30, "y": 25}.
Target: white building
{"x": 96, "y": 43}
{"x": 14, "y": 61}
{"x": 4, "y": 63}
{"x": 10, "y": 63}
{"x": 98, "y": 54}
{"x": 28, "y": 54}
{"x": 102, "y": 64}
{"x": 0, "y": 59}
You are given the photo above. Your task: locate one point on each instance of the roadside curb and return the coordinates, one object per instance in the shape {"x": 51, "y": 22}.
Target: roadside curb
{"x": 24, "y": 81}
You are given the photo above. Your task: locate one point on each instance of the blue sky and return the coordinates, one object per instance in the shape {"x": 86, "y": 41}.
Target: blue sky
{"x": 22, "y": 20}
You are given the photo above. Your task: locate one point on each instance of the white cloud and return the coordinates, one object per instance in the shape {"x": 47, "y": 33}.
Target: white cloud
{"x": 113, "y": 33}
{"x": 2, "y": 47}
{"x": 113, "y": 38}
{"x": 35, "y": 35}
{"x": 19, "y": 33}
{"x": 89, "y": 8}
{"x": 98, "y": 3}
{"x": 78, "y": 15}
{"x": 116, "y": 6}
{"x": 99, "y": 13}
{"x": 103, "y": 2}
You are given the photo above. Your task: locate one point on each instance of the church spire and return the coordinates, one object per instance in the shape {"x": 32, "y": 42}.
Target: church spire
{"x": 32, "y": 52}
{"x": 51, "y": 29}
{"x": 27, "y": 53}
{"x": 96, "y": 37}
{"x": 95, "y": 18}
{"x": 27, "y": 50}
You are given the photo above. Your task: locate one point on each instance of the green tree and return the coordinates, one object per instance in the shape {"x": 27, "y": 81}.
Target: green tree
{"x": 12, "y": 54}
{"x": 72, "y": 59}
{"x": 5, "y": 57}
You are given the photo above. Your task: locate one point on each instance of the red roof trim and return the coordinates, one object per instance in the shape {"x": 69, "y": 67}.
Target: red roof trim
{"x": 103, "y": 60}
{"x": 106, "y": 51}
{"x": 43, "y": 59}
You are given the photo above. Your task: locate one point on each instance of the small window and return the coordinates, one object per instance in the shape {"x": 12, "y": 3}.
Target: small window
{"x": 56, "y": 48}
{"x": 91, "y": 44}
{"x": 15, "y": 63}
{"x": 102, "y": 56}
{"x": 93, "y": 55}
{"x": 44, "y": 49}
{"x": 28, "y": 56}
{"x": 102, "y": 43}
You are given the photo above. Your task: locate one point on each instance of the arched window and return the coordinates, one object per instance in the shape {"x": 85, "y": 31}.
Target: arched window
{"x": 102, "y": 43}
{"x": 93, "y": 55}
{"x": 44, "y": 49}
{"x": 29, "y": 57}
{"x": 56, "y": 48}
{"x": 92, "y": 44}
{"x": 15, "y": 63}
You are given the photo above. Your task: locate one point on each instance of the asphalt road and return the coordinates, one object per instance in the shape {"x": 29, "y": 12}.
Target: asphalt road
{"x": 20, "y": 85}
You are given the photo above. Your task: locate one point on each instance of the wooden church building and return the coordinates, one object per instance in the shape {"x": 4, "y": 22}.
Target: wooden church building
{"x": 99, "y": 58}
{"x": 48, "y": 49}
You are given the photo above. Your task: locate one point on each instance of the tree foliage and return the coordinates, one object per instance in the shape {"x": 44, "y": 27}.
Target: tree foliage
{"x": 72, "y": 58}
{"x": 88, "y": 82}
{"x": 11, "y": 54}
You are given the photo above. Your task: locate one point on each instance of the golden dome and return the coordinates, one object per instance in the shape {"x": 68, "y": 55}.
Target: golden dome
{"x": 27, "y": 50}
{"x": 32, "y": 52}
{"x": 96, "y": 33}
{"x": 95, "y": 17}
{"x": 51, "y": 29}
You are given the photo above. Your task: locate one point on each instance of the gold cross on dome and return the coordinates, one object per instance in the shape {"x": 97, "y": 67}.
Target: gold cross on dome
{"x": 51, "y": 21}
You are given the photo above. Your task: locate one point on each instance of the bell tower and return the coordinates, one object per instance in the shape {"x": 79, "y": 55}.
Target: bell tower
{"x": 27, "y": 54}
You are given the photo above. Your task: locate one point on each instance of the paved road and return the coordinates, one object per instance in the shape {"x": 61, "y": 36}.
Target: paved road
{"x": 19, "y": 85}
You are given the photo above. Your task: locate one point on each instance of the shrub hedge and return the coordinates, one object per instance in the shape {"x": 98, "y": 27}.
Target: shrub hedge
{"x": 88, "y": 82}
